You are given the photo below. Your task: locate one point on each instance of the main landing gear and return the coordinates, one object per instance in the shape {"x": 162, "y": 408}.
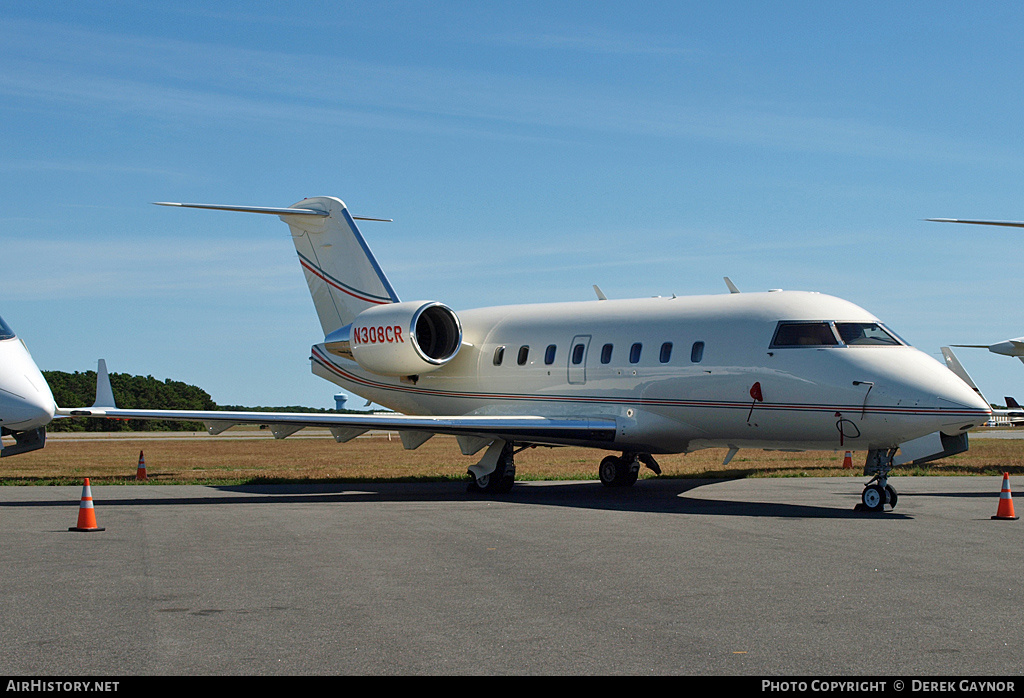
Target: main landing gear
{"x": 502, "y": 477}
{"x": 622, "y": 471}
{"x": 878, "y": 492}
{"x": 496, "y": 472}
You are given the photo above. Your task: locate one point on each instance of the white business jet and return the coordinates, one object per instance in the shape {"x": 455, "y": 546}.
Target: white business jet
{"x": 26, "y": 403}
{"x": 774, "y": 370}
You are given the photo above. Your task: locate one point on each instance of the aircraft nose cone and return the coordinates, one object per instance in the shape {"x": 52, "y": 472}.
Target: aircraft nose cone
{"x": 25, "y": 398}
{"x": 955, "y": 406}
{"x": 24, "y": 406}
{"x": 960, "y": 397}
{"x": 921, "y": 395}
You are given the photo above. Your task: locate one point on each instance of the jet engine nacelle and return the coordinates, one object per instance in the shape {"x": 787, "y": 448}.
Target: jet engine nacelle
{"x": 400, "y": 339}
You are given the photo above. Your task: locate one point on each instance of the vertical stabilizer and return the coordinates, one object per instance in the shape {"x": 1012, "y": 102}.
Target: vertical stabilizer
{"x": 343, "y": 276}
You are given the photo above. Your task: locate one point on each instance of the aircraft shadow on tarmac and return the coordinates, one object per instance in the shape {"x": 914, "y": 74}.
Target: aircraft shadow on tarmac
{"x": 659, "y": 496}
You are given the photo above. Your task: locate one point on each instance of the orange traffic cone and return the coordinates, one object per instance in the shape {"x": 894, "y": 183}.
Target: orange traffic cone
{"x": 140, "y": 474}
{"x": 1005, "y": 510}
{"x": 848, "y": 460}
{"x": 86, "y": 514}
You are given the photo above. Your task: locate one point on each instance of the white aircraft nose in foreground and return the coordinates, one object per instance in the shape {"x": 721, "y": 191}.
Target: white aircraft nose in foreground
{"x": 775, "y": 370}
{"x": 26, "y": 403}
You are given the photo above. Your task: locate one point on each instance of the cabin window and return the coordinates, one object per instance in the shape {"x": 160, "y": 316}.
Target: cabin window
{"x": 499, "y": 354}
{"x": 666, "y": 352}
{"x": 697, "y": 352}
{"x": 804, "y": 334}
{"x": 866, "y": 334}
{"x": 524, "y": 354}
{"x": 606, "y": 354}
{"x": 549, "y": 355}
{"x": 634, "y": 352}
{"x": 577, "y": 354}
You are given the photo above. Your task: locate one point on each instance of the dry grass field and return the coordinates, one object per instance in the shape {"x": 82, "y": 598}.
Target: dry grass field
{"x": 312, "y": 457}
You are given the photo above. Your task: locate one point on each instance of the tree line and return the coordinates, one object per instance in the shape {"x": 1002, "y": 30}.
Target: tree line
{"x": 78, "y": 389}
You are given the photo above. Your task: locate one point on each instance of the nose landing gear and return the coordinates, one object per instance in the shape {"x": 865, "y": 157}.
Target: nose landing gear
{"x": 878, "y": 492}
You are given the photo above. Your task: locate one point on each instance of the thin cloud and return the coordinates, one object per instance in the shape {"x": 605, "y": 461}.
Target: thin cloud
{"x": 594, "y": 40}
{"x": 200, "y": 83}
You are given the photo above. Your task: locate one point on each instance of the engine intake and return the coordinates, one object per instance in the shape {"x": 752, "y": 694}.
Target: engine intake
{"x": 400, "y": 339}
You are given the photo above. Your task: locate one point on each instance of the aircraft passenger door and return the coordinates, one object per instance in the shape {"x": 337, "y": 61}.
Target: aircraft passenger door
{"x": 578, "y": 358}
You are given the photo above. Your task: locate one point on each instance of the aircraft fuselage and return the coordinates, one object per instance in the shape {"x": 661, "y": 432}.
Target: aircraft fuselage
{"x": 684, "y": 373}
{"x": 26, "y": 403}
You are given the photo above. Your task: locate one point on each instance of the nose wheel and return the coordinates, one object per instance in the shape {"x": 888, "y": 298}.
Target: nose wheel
{"x": 875, "y": 497}
{"x": 878, "y": 492}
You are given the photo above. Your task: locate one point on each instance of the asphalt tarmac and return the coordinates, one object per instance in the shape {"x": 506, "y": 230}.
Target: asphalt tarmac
{"x": 770, "y": 577}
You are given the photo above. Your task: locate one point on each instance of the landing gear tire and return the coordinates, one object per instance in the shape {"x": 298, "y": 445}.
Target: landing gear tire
{"x": 618, "y": 472}
{"x": 489, "y": 484}
{"x": 873, "y": 497}
{"x": 892, "y": 497}
{"x": 501, "y": 480}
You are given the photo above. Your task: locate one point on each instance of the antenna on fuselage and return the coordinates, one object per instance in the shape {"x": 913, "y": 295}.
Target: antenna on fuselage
{"x": 731, "y": 285}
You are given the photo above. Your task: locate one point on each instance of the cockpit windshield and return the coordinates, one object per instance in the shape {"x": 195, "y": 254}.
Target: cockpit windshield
{"x": 865, "y": 333}
{"x": 5, "y": 330}
{"x": 804, "y": 334}
{"x": 830, "y": 334}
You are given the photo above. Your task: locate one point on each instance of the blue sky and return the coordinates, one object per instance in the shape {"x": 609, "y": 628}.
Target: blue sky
{"x": 525, "y": 151}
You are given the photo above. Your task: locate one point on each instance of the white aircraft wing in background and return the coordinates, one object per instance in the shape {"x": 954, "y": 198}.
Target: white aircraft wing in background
{"x": 1005, "y": 224}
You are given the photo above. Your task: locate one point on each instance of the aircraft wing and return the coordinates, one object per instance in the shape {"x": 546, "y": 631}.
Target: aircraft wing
{"x": 1006, "y": 224}
{"x": 475, "y": 431}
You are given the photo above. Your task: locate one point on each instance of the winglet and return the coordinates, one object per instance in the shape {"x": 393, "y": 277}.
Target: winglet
{"x": 731, "y": 285}
{"x": 104, "y": 393}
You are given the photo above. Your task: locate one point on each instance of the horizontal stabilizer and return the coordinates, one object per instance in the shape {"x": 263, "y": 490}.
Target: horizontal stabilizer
{"x": 271, "y": 210}
{"x": 343, "y": 276}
